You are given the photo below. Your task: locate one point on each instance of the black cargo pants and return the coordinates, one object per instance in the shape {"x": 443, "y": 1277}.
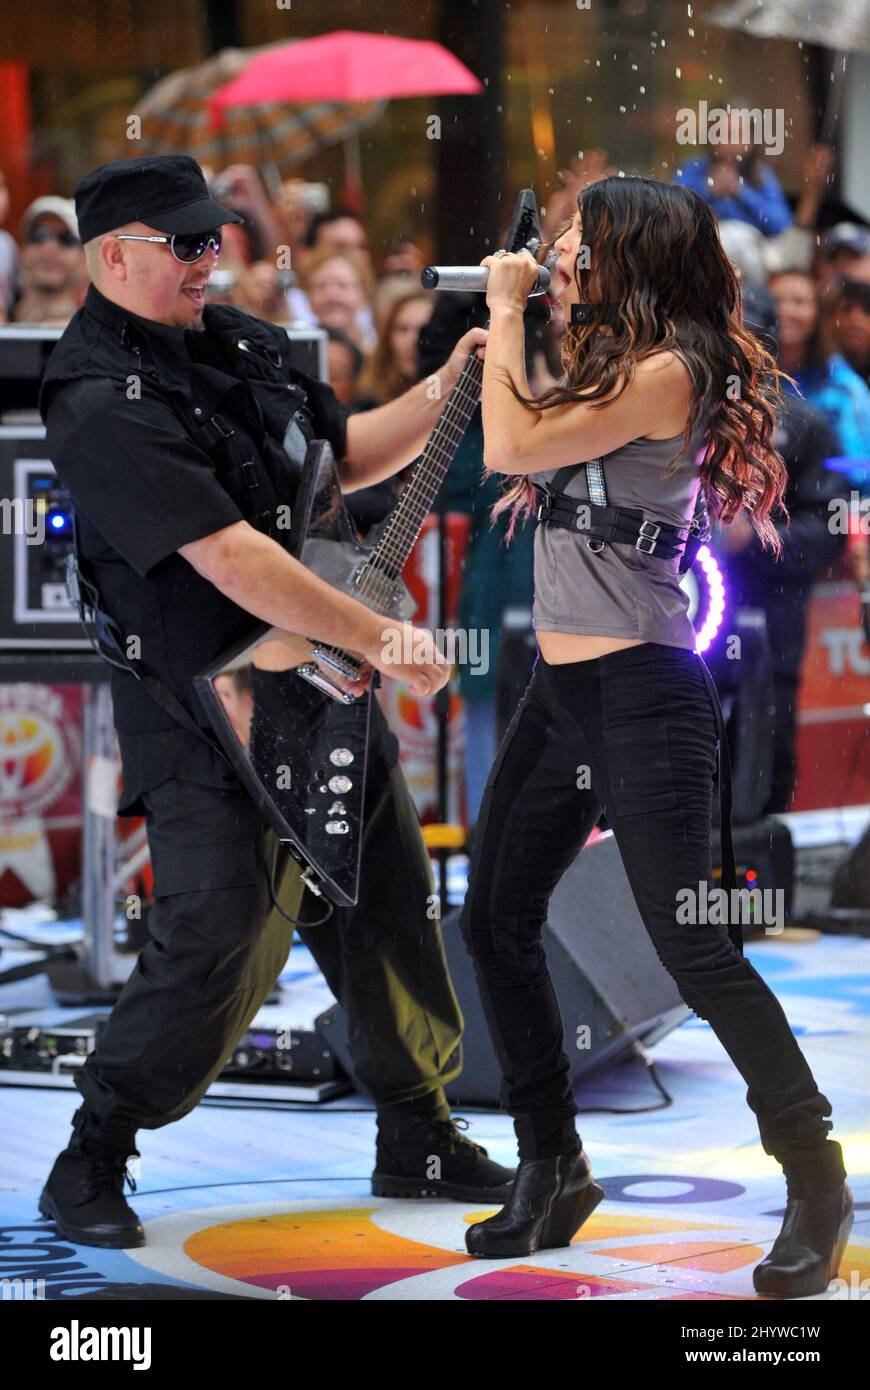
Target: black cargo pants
{"x": 218, "y": 947}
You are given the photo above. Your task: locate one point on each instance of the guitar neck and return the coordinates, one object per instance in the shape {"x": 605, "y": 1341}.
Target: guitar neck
{"x": 400, "y": 534}
{"x": 406, "y": 521}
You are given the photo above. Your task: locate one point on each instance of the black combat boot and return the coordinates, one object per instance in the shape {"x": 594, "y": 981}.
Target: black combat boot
{"x": 426, "y": 1155}
{"x": 549, "y": 1201}
{"x": 84, "y": 1195}
{"x": 806, "y": 1254}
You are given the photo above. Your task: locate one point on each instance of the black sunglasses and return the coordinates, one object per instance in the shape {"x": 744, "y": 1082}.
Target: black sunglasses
{"x": 854, "y": 292}
{"x": 40, "y": 235}
{"x": 185, "y": 246}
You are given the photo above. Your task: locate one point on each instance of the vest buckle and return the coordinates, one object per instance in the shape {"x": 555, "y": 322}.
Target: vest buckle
{"x": 647, "y": 535}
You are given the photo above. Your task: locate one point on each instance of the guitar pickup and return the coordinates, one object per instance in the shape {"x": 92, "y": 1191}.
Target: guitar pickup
{"x": 392, "y": 599}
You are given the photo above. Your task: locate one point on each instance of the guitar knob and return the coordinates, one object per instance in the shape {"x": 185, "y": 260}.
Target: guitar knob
{"x": 340, "y": 757}
{"x": 337, "y": 827}
{"x": 340, "y": 784}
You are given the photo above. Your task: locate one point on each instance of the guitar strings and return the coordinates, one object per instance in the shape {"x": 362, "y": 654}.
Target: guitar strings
{"x": 409, "y": 519}
{"x": 404, "y": 526}
{"x": 376, "y": 585}
{"x": 406, "y": 522}
{"x": 388, "y": 551}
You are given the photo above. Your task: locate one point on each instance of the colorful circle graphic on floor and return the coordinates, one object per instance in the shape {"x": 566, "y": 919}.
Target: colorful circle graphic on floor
{"x": 371, "y": 1249}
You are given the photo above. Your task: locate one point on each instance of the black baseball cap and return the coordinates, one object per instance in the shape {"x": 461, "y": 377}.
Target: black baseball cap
{"x": 166, "y": 191}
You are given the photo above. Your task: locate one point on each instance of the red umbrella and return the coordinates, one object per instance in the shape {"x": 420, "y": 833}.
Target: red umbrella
{"x": 346, "y": 66}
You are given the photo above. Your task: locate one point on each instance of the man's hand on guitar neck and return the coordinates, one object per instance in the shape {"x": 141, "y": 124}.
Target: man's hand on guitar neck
{"x": 383, "y": 441}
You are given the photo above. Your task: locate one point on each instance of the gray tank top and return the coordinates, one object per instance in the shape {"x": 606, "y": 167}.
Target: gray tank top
{"x": 621, "y": 591}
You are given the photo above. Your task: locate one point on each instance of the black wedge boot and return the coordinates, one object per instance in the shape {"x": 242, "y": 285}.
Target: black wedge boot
{"x": 550, "y": 1198}
{"x": 806, "y": 1254}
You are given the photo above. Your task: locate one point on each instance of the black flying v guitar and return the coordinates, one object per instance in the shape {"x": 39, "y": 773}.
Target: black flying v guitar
{"x": 297, "y": 740}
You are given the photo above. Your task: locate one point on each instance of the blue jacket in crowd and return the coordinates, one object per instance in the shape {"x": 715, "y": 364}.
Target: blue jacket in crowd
{"x": 765, "y": 207}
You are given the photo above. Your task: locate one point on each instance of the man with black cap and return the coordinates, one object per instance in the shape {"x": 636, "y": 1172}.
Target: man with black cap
{"x": 168, "y": 420}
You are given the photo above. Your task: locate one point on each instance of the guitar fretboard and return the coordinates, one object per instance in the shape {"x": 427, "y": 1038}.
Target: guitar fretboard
{"x": 399, "y": 536}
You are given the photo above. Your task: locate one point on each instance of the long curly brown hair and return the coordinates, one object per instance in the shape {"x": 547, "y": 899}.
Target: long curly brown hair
{"x": 654, "y": 252}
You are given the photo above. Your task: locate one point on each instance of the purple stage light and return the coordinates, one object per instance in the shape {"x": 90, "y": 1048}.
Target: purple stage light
{"x": 715, "y": 598}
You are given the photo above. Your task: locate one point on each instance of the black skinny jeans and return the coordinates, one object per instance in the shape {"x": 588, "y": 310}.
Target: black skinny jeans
{"x": 642, "y": 722}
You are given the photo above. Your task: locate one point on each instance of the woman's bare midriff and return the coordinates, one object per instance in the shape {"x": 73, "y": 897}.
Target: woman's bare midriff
{"x": 560, "y": 647}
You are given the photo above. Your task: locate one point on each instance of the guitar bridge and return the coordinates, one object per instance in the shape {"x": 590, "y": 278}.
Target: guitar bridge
{"x": 312, "y": 673}
{"x": 339, "y": 661}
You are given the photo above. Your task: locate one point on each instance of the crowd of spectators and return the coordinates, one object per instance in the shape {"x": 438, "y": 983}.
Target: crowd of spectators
{"x": 293, "y": 266}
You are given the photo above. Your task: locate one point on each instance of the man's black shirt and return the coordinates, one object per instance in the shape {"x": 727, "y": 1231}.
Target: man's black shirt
{"x": 124, "y": 400}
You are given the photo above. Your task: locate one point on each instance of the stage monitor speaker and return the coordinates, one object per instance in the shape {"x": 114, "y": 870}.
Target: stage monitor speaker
{"x": 608, "y": 979}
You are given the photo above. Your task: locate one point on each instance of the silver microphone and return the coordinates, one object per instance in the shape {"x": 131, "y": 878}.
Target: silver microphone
{"x": 473, "y": 278}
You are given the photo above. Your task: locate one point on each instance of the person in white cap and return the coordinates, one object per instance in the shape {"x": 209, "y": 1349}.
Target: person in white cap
{"x": 53, "y": 273}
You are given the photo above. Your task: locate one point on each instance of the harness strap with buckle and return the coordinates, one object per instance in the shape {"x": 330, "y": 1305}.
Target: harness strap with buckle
{"x": 603, "y": 524}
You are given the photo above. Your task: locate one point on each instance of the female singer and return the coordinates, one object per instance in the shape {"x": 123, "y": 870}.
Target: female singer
{"x": 663, "y": 389}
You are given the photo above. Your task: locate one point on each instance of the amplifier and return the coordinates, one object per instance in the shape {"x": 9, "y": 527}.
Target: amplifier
{"x": 293, "y": 1055}
{"x": 32, "y": 1048}
{"x": 35, "y": 539}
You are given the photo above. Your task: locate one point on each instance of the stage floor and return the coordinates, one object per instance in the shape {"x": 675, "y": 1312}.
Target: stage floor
{"x": 245, "y": 1202}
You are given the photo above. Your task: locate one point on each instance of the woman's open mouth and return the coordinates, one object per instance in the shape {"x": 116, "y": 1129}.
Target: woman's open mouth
{"x": 559, "y": 282}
